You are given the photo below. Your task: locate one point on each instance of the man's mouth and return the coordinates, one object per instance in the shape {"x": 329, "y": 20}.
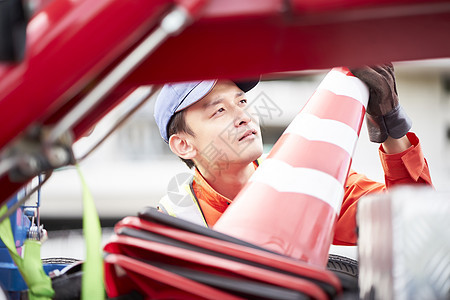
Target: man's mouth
{"x": 248, "y": 133}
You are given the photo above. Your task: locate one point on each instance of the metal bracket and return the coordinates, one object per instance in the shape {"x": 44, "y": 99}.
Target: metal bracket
{"x": 32, "y": 154}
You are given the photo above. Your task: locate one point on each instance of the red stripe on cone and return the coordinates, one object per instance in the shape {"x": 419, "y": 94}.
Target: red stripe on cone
{"x": 327, "y": 105}
{"x": 322, "y": 156}
{"x": 278, "y": 234}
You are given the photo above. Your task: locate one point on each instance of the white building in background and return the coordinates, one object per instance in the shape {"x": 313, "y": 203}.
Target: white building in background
{"x": 133, "y": 167}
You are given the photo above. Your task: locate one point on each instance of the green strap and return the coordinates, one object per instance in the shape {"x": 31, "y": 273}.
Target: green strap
{"x": 30, "y": 266}
{"x": 92, "y": 286}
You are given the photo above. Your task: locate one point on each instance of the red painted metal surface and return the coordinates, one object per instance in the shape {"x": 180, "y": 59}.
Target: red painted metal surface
{"x": 283, "y": 40}
{"x": 388, "y": 7}
{"x": 153, "y": 282}
{"x": 272, "y": 260}
{"x": 72, "y": 44}
{"x": 68, "y": 45}
{"x": 153, "y": 252}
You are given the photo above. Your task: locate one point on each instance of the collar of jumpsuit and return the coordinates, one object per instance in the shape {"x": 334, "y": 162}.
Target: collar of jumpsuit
{"x": 212, "y": 203}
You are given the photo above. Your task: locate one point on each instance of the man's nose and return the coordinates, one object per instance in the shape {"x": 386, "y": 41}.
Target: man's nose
{"x": 242, "y": 117}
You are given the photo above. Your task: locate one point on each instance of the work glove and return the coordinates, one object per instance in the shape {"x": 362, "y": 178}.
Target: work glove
{"x": 384, "y": 115}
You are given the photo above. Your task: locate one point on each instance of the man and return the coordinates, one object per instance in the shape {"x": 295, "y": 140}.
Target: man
{"x": 191, "y": 117}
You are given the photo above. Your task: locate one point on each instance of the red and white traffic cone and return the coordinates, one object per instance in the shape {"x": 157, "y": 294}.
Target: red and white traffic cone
{"x": 291, "y": 203}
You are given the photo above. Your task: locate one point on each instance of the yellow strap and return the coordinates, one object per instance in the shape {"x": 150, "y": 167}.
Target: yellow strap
{"x": 172, "y": 211}
{"x": 165, "y": 204}
{"x": 92, "y": 286}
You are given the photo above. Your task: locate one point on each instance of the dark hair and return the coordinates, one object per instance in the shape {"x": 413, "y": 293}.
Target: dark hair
{"x": 178, "y": 124}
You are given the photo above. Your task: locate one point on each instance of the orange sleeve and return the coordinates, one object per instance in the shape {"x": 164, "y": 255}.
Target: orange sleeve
{"x": 407, "y": 167}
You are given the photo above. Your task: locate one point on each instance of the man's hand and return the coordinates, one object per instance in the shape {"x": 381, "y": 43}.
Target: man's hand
{"x": 384, "y": 116}
{"x": 383, "y": 91}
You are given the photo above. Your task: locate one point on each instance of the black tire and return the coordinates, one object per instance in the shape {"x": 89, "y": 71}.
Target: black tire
{"x": 346, "y": 269}
{"x": 60, "y": 260}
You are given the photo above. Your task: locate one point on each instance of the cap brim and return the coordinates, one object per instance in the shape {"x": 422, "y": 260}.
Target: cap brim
{"x": 246, "y": 86}
{"x": 206, "y": 86}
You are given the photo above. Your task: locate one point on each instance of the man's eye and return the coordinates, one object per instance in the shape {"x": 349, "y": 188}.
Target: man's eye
{"x": 244, "y": 101}
{"x": 219, "y": 111}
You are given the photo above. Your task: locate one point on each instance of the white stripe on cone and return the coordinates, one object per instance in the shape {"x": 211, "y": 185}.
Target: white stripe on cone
{"x": 315, "y": 129}
{"x": 341, "y": 84}
{"x": 300, "y": 180}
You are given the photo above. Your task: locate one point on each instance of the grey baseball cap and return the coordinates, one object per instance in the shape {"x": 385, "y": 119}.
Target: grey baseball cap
{"x": 175, "y": 97}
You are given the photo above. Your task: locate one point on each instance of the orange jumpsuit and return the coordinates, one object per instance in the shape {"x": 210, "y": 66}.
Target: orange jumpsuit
{"x": 407, "y": 167}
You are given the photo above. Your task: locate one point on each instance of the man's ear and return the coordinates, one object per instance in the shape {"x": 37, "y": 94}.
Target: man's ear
{"x": 182, "y": 146}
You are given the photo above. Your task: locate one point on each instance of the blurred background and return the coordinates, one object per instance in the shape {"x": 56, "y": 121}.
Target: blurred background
{"x": 133, "y": 167}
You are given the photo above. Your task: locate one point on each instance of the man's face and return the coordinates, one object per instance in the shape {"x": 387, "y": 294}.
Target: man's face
{"x": 226, "y": 128}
